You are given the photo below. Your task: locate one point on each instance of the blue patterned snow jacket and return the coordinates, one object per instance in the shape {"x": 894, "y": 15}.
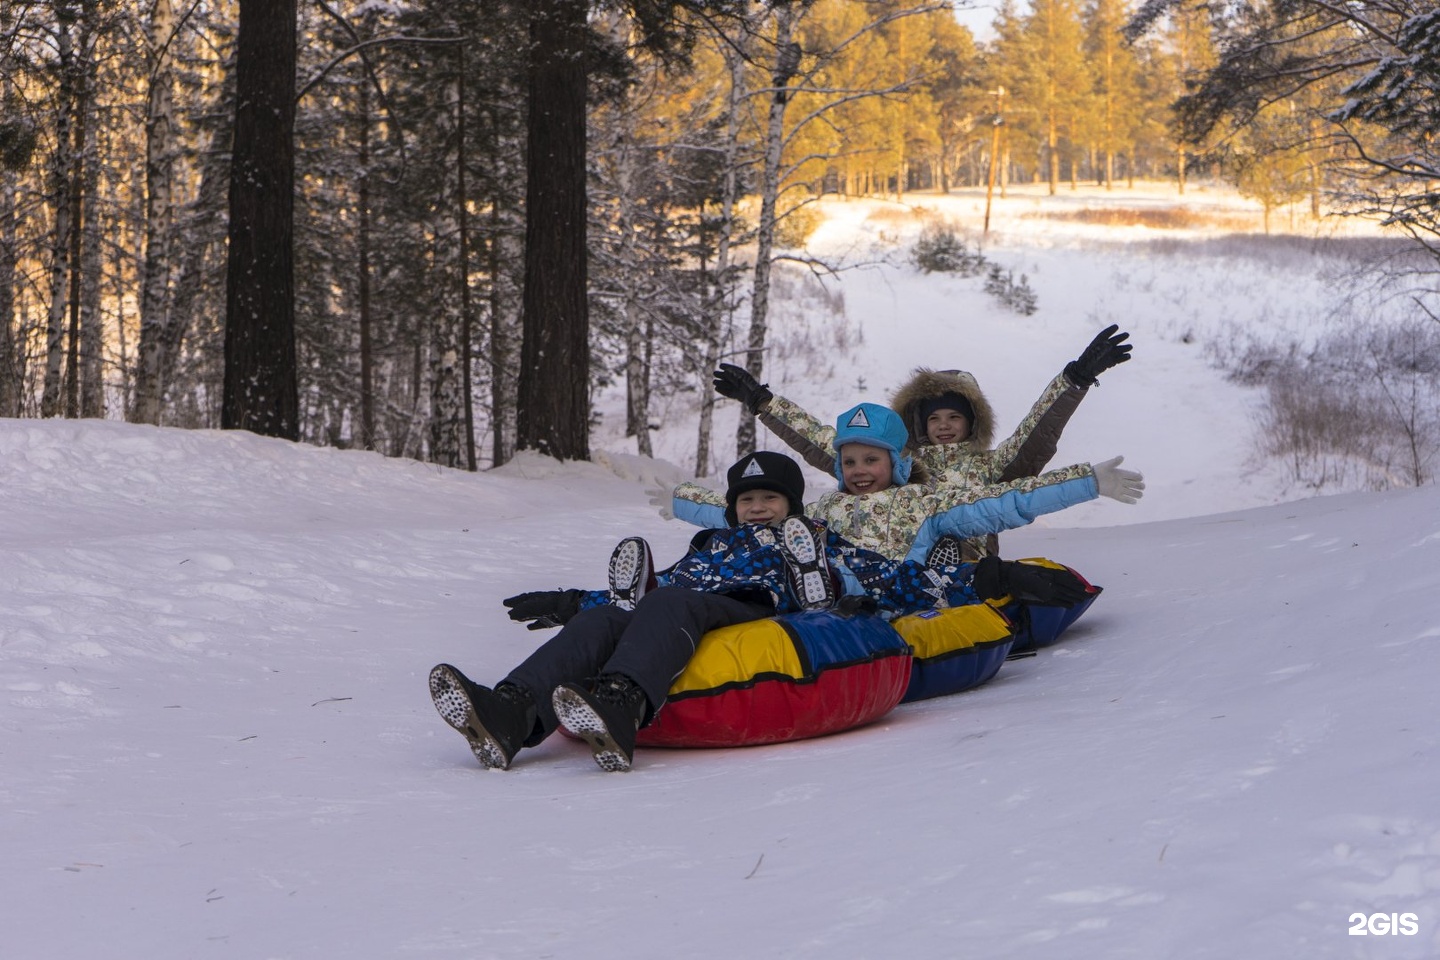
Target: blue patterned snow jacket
{"x": 747, "y": 562}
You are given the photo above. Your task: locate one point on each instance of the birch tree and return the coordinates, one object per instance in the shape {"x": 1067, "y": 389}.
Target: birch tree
{"x": 62, "y": 169}
{"x": 160, "y": 146}
{"x": 17, "y": 143}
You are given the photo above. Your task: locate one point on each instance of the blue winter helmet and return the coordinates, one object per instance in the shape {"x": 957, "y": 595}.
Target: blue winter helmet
{"x": 874, "y": 426}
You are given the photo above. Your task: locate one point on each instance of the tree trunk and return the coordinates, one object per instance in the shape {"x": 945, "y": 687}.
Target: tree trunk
{"x": 261, "y": 393}
{"x": 12, "y": 372}
{"x": 61, "y": 169}
{"x": 159, "y": 220}
{"x": 82, "y": 210}
{"x": 721, "y": 306}
{"x": 77, "y": 232}
{"x": 447, "y": 414}
{"x": 92, "y": 334}
{"x": 367, "y": 346}
{"x": 1052, "y": 145}
{"x": 765, "y": 229}
{"x": 467, "y": 316}
{"x": 200, "y": 244}
{"x": 553, "y": 414}
{"x": 502, "y": 344}
{"x": 637, "y": 373}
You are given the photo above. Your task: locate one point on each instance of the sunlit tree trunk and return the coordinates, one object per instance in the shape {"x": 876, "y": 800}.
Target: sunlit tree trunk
{"x": 62, "y": 168}
{"x": 765, "y": 229}
{"x": 159, "y": 219}
{"x": 720, "y": 305}
{"x": 92, "y": 334}
{"x": 80, "y": 213}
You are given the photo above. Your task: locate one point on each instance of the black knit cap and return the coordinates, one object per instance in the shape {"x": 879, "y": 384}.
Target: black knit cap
{"x": 764, "y": 470}
{"x": 946, "y": 401}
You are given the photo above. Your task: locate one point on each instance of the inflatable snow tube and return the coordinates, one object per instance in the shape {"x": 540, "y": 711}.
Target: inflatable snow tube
{"x": 955, "y": 648}
{"x": 786, "y": 678}
{"x": 1039, "y": 626}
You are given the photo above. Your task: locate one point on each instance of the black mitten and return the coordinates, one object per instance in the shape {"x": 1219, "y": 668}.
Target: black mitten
{"x": 547, "y": 608}
{"x": 1050, "y": 586}
{"x": 1044, "y": 585}
{"x": 1106, "y": 350}
{"x": 737, "y": 384}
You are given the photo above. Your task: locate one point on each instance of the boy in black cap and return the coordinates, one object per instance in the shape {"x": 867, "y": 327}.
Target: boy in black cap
{"x": 735, "y": 575}
{"x": 771, "y": 560}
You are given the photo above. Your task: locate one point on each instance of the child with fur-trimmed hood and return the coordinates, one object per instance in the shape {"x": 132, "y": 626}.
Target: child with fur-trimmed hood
{"x": 876, "y": 507}
{"x": 949, "y": 421}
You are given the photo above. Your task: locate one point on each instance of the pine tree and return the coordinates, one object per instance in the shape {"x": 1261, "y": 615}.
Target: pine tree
{"x": 261, "y": 392}
{"x": 1054, "y": 78}
{"x": 1117, "y": 104}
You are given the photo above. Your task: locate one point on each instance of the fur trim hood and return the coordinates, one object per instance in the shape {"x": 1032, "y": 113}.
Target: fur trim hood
{"x": 926, "y": 384}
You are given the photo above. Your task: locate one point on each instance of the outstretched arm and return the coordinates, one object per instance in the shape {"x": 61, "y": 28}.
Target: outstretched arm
{"x": 697, "y": 505}
{"x": 1004, "y": 506}
{"x": 796, "y": 429}
{"x": 1026, "y": 452}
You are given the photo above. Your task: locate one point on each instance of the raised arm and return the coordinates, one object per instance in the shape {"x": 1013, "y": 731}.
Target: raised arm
{"x": 796, "y": 429}
{"x": 1026, "y": 452}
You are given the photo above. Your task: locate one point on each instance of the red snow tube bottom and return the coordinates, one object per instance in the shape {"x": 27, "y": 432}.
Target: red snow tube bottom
{"x": 788, "y": 678}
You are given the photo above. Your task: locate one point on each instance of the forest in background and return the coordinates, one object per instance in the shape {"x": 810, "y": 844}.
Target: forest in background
{"x": 707, "y": 129}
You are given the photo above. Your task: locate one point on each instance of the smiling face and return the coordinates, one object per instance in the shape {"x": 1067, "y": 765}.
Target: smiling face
{"x": 947, "y": 426}
{"x": 761, "y": 506}
{"x": 865, "y": 469}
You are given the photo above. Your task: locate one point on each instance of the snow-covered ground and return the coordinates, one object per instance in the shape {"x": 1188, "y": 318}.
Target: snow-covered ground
{"x": 216, "y": 741}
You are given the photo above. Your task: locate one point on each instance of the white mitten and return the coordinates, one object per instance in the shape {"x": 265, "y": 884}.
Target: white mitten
{"x": 661, "y": 499}
{"x": 1127, "y": 486}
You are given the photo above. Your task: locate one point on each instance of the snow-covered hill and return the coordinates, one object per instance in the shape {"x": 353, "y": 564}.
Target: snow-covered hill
{"x": 216, "y": 740}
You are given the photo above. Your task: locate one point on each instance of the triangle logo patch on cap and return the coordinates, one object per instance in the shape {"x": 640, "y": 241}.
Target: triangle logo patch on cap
{"x": 753, "y": 469}
{"x": 859, "y": 419}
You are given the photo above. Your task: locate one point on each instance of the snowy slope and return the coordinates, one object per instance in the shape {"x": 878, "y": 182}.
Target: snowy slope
{"x": 216, "y": 740}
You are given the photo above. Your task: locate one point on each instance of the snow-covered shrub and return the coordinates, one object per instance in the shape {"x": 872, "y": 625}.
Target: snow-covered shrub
{"x": 1359, "y": 410}
{"x": 940, "y": 249}
{"x": 1017, "y": 295}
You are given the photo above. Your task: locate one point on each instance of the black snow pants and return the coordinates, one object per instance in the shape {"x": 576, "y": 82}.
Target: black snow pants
{"x": 651, "y": 645}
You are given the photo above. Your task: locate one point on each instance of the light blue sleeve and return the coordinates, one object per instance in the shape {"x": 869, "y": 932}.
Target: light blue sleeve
{"x": 1005, "y": 511}
{"x": 704, "y": 515}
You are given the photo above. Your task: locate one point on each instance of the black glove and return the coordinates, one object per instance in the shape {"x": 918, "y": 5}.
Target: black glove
{"x": 856, "y": 603}
{"x": 1050, "y": 586}
{"x": 737, "y": 384}
{"x": 548, "y": 608}
{"x": 1107, "y": 349}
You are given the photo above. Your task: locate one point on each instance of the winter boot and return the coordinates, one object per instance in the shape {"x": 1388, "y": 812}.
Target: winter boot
{"x": 632, "y": 572}
{"x": 946, "y": 552}
{"x": 494, "y": 722}
{"x": 606, "y": 718}
{"x": 806, "y": 567}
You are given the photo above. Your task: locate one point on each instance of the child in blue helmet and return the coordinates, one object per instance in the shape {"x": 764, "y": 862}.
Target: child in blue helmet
{"x": 951, "y": 423}
{"x": 609, "y": 669}
{"x": 877, "y": 508}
